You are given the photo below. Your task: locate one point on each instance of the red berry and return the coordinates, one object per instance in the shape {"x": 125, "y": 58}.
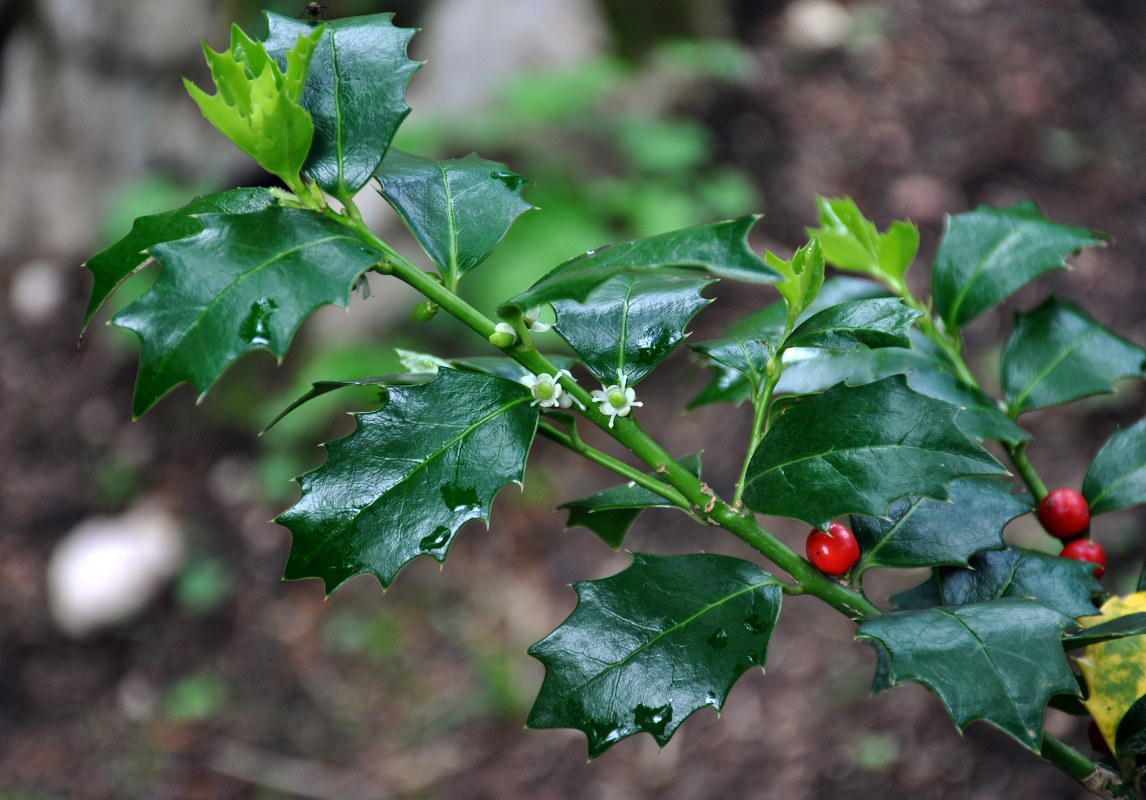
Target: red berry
{"x": 1087, "y": 550}
{"x": 1064, "y": 513}
{"x": 833, "y": 552}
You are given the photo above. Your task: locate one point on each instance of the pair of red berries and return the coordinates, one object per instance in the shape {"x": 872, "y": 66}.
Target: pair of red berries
{"x": 1065, "y": 515}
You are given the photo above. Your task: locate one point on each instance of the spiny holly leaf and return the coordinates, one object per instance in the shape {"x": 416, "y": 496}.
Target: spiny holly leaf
{"x": 611, "y": 512}
{"x": 803, "y": 275}
{"x": 923, "y": 532}
{"x": 988, "y": 254}
{"x": 744, "y": 356}
{"x": 720, "y": 250}
{"x": 647, "y": 647}
{"x": 730, "y": 385}
{"x": 858, "y": 449}
{"x": 1115, "y": 671}
{"x": 257, "y": 103}
{"x": 457, "y": 210}
{"x": 851, "y": 242}
{"x": 816, "y": 370}
{"x": 319, "y": 388}
{"x": 1117, "y": 476}
{"x": 1130, "y": 736}
{"x": 1057, "y": 354}
{"x": 1008, "y": 653}
{"x": 630, "y": 323}
{"x": 1067, "y": 586}
{"x": 355, "y": 93}
{"x": 882, "y": 322}
{"x": 113, "y": 265}
{"x": 409, "y": 477}
{"x": 246, "y": 281}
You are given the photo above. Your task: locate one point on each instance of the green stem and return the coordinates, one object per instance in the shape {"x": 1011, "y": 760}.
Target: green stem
{"x": 575, "y": 444}
{"x": 698, "y": 498}
{"x": 1095, "y": 779}
{"x": 1018, "y": 454}
{"x": 761, "y": 404}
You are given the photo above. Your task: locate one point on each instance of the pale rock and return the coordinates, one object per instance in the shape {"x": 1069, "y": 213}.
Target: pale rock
{"x": 107, "y": 569}
{"x": 816, "y": 24}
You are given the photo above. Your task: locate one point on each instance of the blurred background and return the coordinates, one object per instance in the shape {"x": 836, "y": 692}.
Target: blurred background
{"x": 174, "y": 663}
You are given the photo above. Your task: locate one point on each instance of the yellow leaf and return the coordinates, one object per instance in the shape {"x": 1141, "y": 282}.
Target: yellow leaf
{"x": 1115, "y": 671}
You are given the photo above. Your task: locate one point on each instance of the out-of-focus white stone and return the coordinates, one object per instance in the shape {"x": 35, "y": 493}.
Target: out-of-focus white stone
{"x": 816, "y": 24}
{"x": 37, "y": 290}
{"x": 464, "y": 70}
{"x": 107, "y": 569}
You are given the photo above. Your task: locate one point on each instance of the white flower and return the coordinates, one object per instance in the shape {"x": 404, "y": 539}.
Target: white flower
{"x": 616, "y": 400}
{"x": 546, "y": 391}
{"x": 503, "y": 335}
{"x": 532, "y": 323}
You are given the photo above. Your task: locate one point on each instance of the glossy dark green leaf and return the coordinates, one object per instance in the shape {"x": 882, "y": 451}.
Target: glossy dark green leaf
{"x": 457, "y": 210}
{"x": 1117, "y": 476}
{"x": 1067, "y": 586}
{"x": 719, "y": 250}
{"x": 647, "y": 647}
{"x": 1057, "y": 354}
{"x": 320, "y": 388}
{"x": 745, "y": 356}
{"x": 988, "y": 254}
{"x": 1000, "y": 661}
{"x": 857, "y": 449}
{"x": 611, "y": 512}
{"x": 245, "y": 282}
{"x": 630, "y": 323}
{"x": 111, "y": 266}
{"x": 355, "y": 93}
{"x": 816, "y": 370}
{"x": 1118, "y": 628}
{"x": 923, "y": 532}
{"x": 882, "y": 322}
{"x": 409, "y": 477}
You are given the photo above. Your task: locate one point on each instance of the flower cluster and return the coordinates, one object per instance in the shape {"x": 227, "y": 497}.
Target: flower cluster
{"x": 547, "y": 391}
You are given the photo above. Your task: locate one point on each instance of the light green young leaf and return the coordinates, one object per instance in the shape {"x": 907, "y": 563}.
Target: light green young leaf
{"x": 257, "y": 104}
{"x": 409, "y": 477}
{"x": 851, "y": 242}
{"x": 457, "y": 210}
{"x": 803, "y": 276}
{"x": 647, "y": 647}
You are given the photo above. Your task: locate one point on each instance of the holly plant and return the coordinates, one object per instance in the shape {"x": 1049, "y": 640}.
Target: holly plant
{"x": 866, "y": 423}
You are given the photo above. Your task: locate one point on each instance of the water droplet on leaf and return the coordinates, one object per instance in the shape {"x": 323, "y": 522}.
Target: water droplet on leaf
{"x": 255, "y": 327}
{"x": 653, "y": 720}
{"x": 514, "y": 182}
{"x": 436, "y": 540}
{"x": 460, "y": 498}
{"x": 718, "y": 640}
